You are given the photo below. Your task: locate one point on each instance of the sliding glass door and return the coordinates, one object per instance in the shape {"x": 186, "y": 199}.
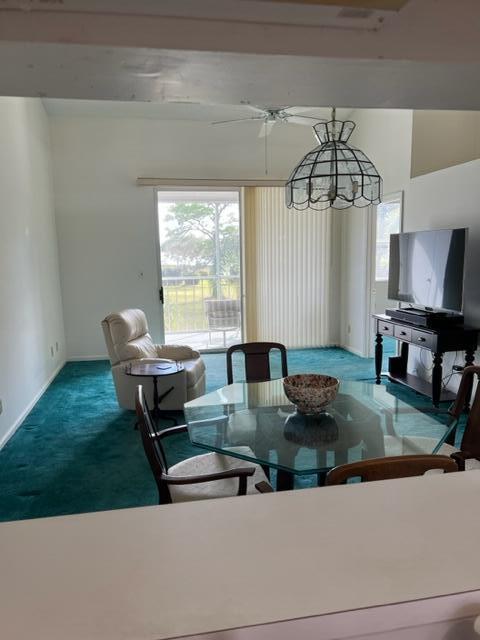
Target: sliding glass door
{"x": 200, "y": 267}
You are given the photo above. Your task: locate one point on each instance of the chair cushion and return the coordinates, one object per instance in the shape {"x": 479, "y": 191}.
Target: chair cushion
{"x": 127, "y": 325}
{"x": 213, "y": 463}
{"x": 415, "y": 445}
{"x": 471, "y": 464}
{"x": 194, "y": 370}
{"x": 129, "y": 335}
{"x": 405, "y": 445}
{"x": 142, "y": 347}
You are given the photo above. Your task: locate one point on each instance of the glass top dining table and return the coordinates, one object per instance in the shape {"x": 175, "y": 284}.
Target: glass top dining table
{"x": 256, "y": 422}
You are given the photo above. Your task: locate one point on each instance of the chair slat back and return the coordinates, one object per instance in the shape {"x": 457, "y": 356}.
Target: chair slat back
{"x": 257, "y": 360}
{"x": 152, "y": 446}
{"x": 389, "y": 468}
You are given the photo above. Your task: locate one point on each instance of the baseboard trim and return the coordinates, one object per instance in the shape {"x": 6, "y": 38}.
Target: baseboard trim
{"x": 86, "y": 358}
{"x": 6, "y": 437}
{"x": 329, "y": 345}
{"x": 356, "y": 352}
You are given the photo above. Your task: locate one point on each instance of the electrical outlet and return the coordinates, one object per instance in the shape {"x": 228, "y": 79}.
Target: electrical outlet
{"x": 56, "y": 347}
{"x": 51, "y": 351}
{"x": 349, "y": 329}
{"x": 1, "y": 407}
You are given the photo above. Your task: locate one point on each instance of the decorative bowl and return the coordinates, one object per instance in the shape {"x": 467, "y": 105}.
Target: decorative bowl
{"x": 311, "y": 392}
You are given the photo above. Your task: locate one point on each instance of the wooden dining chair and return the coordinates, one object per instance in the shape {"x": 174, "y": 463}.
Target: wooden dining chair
{"x": 211, "y": 475}
{"x": 468, "y": 456}
{"x": 389, "y": 468}
{"x": 257, "y": 360}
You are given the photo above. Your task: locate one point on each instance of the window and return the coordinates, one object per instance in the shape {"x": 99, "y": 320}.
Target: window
{"x": 389, "y": 220}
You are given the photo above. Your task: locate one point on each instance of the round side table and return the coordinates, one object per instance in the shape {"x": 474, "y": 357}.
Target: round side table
{"x": 156, "y": 370}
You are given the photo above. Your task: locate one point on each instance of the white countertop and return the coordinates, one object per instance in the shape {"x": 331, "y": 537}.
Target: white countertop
{"x": 161, "y": 572}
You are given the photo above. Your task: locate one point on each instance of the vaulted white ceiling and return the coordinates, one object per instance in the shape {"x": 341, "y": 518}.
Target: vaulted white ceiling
{"x": 164, "y": 111}
{"x": 425, "y": 55}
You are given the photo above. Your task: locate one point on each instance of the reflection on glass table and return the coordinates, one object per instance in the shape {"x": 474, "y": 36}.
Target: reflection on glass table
{"x": 256, "y": 422}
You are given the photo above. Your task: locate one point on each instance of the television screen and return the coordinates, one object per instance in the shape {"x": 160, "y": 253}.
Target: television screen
{"x": 426, "y": 268}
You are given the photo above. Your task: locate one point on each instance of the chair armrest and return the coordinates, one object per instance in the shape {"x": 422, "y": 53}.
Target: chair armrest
{"x": 176, "y": 352}
{"x": 242, "y": 473}
{"x": 182, "y": 428}
{"x": 171, "y": 431}
{"x": 264, "y": 487}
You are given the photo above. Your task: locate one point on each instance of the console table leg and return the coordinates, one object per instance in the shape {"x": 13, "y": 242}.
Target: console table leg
{"x": 469, "y": 357}
{"x": 437, "y": 378}
{"x": 378, "y": 357}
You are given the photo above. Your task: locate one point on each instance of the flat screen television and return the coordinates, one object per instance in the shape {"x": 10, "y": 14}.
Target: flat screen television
{"x": 427, "y": 268}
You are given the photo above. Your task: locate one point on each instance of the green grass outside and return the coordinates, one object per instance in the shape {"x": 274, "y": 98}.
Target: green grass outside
{"x": 184, "y": 308}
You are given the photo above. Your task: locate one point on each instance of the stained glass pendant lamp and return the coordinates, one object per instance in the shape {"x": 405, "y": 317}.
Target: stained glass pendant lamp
{"x": 334, "y": 174}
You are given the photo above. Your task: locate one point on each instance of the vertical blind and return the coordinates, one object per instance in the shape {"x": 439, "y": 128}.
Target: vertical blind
{"x": 287, "y": 270}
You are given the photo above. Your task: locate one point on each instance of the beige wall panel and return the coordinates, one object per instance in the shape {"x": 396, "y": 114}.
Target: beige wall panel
{"x": 442, "y": 139}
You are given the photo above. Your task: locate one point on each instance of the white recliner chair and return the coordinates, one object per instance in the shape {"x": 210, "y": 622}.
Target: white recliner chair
{"x": 128, "y": 342}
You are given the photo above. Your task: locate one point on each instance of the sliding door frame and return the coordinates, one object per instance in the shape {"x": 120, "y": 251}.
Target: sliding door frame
{"x": 214, "y": 186}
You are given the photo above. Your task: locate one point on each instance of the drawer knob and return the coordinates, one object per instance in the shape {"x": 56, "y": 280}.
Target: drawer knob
{"x": 386, "y": 328}
{"x": 421, "y": 339}
{"x": 403, "y": 333}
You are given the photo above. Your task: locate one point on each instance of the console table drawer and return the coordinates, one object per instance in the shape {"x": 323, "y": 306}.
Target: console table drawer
{"x": 424, "y": 339}
{"x": 385, "y": 327}
{"x": 403, "y": 333}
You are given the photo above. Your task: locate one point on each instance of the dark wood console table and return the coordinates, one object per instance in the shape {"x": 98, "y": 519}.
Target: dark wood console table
{"x": 438, "y": 341}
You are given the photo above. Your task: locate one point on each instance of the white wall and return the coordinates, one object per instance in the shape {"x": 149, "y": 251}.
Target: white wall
{"x": 386, "y": 137}
{"x": 106, "y": 223}
{"x": 30, "y": 305}
{"x": 445, "y": 199}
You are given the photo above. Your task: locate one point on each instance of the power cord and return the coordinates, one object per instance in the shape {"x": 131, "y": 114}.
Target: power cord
{"x": 455, "y": 371}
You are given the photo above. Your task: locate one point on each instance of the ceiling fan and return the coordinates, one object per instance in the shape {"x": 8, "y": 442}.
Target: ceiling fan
{"x": 270, "y": 117}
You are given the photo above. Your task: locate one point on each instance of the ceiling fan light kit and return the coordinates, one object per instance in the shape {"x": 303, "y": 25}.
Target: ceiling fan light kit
{"x": 334, "y": 174}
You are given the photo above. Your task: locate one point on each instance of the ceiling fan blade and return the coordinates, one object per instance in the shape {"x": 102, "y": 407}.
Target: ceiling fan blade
{"x": 305, "y": 120}
{"x": 266, "y": 129}
{"x": 297, "y": 110}
{"x": 238, "y": 120}
{"x": 258, "y": 110}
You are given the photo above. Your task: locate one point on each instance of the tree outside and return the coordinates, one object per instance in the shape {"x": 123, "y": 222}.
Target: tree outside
{"x": 201, "y": 238}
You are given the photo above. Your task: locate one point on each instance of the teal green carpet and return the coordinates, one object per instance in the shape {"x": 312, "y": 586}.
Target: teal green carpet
{"x": 77, "y": 451}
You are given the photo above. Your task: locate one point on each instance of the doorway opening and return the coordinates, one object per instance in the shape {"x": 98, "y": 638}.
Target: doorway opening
{"x": 387, "y": 220}
{"x": 200, "y": 267}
